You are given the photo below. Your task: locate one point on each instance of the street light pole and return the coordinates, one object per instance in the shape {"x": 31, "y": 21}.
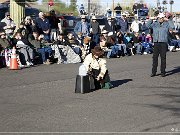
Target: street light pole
{"x": 88, "y": 9}
{"x": 171, "y": 2}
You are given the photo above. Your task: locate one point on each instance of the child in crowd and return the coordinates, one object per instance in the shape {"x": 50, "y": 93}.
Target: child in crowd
{"x": 120, "y": 43}
{"x": 137, "y": 43}
{"x": 128, "y": 41}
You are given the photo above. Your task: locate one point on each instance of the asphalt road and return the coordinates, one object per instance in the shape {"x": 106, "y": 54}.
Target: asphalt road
{"x": 42, "y": 99}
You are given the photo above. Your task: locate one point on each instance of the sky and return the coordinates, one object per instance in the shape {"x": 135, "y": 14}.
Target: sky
{"x": 175, "y": 7}
{"x": 108, "y": 3}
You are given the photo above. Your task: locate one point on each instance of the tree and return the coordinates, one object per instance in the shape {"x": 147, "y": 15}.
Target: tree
{"x": 126, "y": 4}
{"x": 73, "y": 4}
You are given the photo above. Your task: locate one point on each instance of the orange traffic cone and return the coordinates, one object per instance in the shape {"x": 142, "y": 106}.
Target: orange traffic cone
{"x": 13, "y": 60}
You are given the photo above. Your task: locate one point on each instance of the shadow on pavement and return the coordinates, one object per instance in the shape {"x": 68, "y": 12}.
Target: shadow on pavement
{"x": 174, "y": 71}
{"x": 117, "y": 83}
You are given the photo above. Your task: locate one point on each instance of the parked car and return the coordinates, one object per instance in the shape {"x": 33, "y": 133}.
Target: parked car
{"x": 29, "y": 11}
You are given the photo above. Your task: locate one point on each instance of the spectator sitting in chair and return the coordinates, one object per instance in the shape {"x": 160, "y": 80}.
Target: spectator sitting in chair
{"x": 64, "y": 52}
{"x": 114, "y": 48}
{"x": 26, "y": 52}
{"x": 73, "y": 43}
{"x": 5, "y": 47}
{"x": 173, "y": 40}
{"x": 45, "y": 51}
{"x": 4, "y": 43}
{"x": 137, "y": 43}
{"x": 121, "y": 44}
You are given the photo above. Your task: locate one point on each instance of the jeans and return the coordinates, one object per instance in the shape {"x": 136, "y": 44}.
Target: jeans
{"x": 138, "y": 48}
{"x": 45, "y": 53}
{"x": 46, "y": 37}
{"x": 53, "y": 35}
{"x": 159, "y": 49}
{"x": 95, "y": 38}
{"x": 113, "y": 51}
{"x": 26, "y": 53}
{"x": 122, "y": 46}
{"x": 147, "y": 47}
{"x": 175, "y": 43}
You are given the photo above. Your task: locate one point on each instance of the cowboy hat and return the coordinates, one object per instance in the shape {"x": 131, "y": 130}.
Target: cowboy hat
{"x": 104, "y": 32}
{"x": 110, "y": 34}
{"x": 123, "y": 14}
{"x": 94, "y": 18}
{"x": 2, "y": 33}
{"x": 109, "y": 18}
{"x": 161, "y": 15}
{"x": 97, "y": 51}
{"x": 83, "y": 16}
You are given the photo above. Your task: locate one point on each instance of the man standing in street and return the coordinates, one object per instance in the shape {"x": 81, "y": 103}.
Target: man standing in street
{"x": 160, "y": 29}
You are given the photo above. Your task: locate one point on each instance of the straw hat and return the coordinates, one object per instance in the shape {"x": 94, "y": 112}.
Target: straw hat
{"x": 97, "y": 51}
{"x": 161, "y": 15}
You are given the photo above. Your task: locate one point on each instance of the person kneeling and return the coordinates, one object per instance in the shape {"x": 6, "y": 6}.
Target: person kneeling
{"x": 96, "y": 67}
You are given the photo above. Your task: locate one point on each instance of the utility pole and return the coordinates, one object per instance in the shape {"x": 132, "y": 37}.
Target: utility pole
{"x": 113, "y": 8}
{"x": 88, "y": 9}
{"x": 158, "y": 3}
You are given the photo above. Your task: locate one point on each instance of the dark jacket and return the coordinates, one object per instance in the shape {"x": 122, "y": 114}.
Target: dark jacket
{"x": 111, "y": 27}
{"x": 95, "y": 27}
{"x": 4, "y": 43}
{"x": 34, "y": 42}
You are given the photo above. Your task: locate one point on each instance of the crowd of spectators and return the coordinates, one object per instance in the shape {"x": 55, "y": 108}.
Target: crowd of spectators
{"x": 42, "y": 41}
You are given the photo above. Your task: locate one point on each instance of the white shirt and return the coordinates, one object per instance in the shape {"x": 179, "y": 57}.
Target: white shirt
{"x": 135, "y": 26}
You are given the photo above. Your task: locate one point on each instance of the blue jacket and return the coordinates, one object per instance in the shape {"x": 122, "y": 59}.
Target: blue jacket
{"x": 78, "y": 28}
{"x": 160, "y": 31}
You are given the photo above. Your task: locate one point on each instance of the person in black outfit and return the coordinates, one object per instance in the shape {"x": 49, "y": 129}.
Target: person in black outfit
{"x": 53, "y": 20}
